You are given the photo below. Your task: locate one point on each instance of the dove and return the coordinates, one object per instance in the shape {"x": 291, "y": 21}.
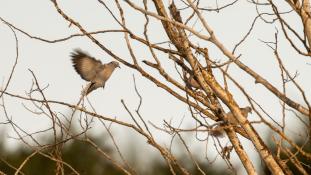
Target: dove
{"x": 92, "y": 70}
{"x": 218, "y": 131}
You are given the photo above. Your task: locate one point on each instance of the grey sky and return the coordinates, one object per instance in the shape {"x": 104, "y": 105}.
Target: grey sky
{"x": 52, "y": 65}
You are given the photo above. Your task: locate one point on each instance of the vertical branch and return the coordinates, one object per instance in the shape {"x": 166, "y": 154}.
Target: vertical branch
{"x": 16, "y": 58}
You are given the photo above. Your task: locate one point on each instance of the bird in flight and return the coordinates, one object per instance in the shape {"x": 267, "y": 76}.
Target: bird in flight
{"x": 92, "y": 70}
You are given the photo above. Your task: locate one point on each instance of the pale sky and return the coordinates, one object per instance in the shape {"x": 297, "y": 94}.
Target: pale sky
{"x": 52, "y": 65}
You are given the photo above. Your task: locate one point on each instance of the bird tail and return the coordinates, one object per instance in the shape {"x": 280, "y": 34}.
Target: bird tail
{"x": 89, "y": 88}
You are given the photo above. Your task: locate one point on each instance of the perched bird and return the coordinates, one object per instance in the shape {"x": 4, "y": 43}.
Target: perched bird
{"x": 218, "y": 131}
{"x": 91, "y": 69}
{"x": 191, "y": 82}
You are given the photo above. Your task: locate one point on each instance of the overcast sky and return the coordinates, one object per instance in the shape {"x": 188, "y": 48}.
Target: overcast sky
{"x": 52, "y": 65}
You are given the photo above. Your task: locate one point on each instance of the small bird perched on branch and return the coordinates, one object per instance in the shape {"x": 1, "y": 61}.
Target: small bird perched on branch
{"x": 91, "y": 69}
{"x": 218, "y": 131}
{"x": 191, "y": 82}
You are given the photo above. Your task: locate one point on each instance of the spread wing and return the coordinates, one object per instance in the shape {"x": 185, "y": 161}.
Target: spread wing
{"x": 85, "y": 65}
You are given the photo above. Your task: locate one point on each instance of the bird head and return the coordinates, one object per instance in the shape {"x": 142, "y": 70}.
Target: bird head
{"x": 248, "y": 109}
{"x": 114, "y": 64}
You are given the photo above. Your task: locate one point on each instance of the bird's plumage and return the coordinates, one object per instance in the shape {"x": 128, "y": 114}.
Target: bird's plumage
{"x": 244, "y": 112}
{"x": 218, "y": 131}
{"x": 191, "y": 82}
{"x": 85, "y": 65}
{"x": 91, "y": 69}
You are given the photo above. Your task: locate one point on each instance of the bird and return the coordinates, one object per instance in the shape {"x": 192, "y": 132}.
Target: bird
{"x": 92, "y": 70}
{"x": 218, "y": 131}
{"x": 191, "y": 82}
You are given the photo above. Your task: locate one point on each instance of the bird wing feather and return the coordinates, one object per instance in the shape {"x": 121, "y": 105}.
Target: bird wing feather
{"x": 85, "y": 65}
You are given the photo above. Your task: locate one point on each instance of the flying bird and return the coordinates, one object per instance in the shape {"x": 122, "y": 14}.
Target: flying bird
{"x": 92, "y": 70}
